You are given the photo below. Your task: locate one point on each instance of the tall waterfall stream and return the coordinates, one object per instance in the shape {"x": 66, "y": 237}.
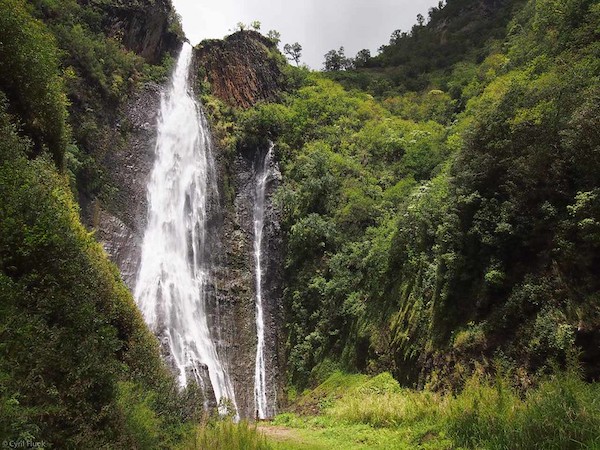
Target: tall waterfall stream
{"x": 260, "y": 376}
{"x": 175, "y": 267}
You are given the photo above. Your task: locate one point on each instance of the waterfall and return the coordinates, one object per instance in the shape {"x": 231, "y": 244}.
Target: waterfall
{"x": 260, "y": 379}
{"x": 175, "y": 269}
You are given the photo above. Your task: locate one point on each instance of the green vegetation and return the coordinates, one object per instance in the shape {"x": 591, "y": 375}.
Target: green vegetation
{"x": 431, "y": 231}
{"x": 359, "y": 412}
{"x": 31, "y": 78}
{"x": 98, "y": 75}
{"x": 456, "y": 32}
{"x": 78, "y": 366}
{"x": 441, "y": 215}
{"x": 226, "y": 435}
{"x": 376, "y": 413}
{"x": 69, "y": 328}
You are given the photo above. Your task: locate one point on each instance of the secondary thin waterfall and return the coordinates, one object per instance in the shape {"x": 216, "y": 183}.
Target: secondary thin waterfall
{"x": 171, "y": 288}
{"x": 260, "y": 379}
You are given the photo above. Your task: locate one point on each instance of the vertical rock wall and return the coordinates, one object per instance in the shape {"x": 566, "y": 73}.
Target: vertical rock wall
{"x": 246, "y": 73}
{"x": 121, "y": 229}
{"x": 235, "y": 283}
{"x": 147, "y": 27}
{"x": 242, "y": 70}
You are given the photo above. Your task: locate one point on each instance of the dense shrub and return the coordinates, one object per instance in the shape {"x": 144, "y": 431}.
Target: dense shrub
{"x": 69, "y": 328}
{"x": 31, "y": 78}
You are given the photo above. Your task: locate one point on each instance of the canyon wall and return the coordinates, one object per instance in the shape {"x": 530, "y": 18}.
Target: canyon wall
{"x": 241, "y": 70}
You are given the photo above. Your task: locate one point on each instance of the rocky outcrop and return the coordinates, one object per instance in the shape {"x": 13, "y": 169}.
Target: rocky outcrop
{"x": 242, "y": 69}
{"x": 148, "y": 27}
{"x": 121, "y": 227}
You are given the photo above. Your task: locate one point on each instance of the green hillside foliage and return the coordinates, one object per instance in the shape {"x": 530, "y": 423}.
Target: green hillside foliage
{"x": 30, "y": 77}
{"x": 69, "y": 328}
{"x": 431, "y": 231}
{"x": 78, "y": 366}
{"x": 441, "y": 216}
{"x": 99, "y": 76}
{"x": 455, "y": 31}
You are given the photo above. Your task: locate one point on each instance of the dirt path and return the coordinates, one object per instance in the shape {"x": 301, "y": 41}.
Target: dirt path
{"x": 280, "y": 434}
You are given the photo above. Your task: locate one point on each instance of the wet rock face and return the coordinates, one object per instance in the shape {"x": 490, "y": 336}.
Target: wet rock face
{"x": 143, "y": 26}
{"x": 234, "y": 279}
{"x": 230, "y": 232}
{"x": 242, "y": 69}
{"x": 248, "y": 77}
{"x": 273, "y": 290}
{"x": 121, "y": 230}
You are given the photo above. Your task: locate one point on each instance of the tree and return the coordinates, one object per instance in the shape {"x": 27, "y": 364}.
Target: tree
{"x": 395, "y": 37}
{"x": 294, "y": 52}
{"x": 255, "y": 25}
{"x": 275, "y": 36}
{"x": 420, "y": 20}
{"x": 241, "y": 26}
{"x": 362, "y": 58}
{"x": 335, "y": 60}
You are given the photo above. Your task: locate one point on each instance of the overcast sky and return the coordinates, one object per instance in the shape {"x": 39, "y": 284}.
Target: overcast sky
{"x": 318, "y": 25}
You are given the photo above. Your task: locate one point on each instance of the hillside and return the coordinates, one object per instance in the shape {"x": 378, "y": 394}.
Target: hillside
{"x": 458, "y": 33}
{"x": 78, "y": 365}
{"x": 429, "y": 240}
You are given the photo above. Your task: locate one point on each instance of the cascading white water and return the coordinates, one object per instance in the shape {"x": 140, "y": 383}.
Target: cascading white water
{"x": 175, "y": 268}
{"x": 260, "y": 378}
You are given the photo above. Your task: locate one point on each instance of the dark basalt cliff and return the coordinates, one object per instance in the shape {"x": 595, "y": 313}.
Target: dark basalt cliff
{"x": 121, "y": 229}
{"x": 147, "y": 27}
{"x": 234, "y": 278}
{"x": 242, "y": 69}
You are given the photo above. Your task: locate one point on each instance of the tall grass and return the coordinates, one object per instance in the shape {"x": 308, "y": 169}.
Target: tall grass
{"x": 563, "y": 413}
{"x": 226, "y": 435}
{"x": 386, "y": 410}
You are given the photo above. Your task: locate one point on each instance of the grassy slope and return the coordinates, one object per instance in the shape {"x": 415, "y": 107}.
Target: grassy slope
{"x": 376, "y": 413}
